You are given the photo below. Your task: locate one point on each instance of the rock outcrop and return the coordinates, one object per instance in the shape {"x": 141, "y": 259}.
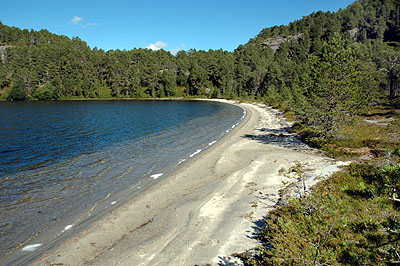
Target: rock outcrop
{"x": 275, "y": 42}
{"x": 3, "y": 51}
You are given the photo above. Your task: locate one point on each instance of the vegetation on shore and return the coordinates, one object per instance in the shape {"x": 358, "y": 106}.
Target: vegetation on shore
{"x": 350, "y": 218}
{"x": 272, "y": 66}
{"x": 336, "y": 74}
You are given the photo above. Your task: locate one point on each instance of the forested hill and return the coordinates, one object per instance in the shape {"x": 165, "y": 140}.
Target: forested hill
{"x": 362, "y": 20}
{"x": 272, "y": 66}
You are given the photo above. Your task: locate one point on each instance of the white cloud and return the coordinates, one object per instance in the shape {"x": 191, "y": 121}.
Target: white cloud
{"x": 161, "y": 45}
{"x": 157, "y": 46}
{"x": 76, "y": 20}
{"x": 177, "y": 49}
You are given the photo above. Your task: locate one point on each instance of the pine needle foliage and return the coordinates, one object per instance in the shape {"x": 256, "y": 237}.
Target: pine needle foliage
{"x": 334, "y": 89}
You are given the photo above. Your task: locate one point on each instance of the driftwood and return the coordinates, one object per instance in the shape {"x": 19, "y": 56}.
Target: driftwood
{"x": 394, "y": 196}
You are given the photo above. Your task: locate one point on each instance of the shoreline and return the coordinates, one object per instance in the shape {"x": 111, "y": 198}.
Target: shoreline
{"x": 29, "y": 251}
{"x": 181, "y": 98}
{"x": 209, "y": 208}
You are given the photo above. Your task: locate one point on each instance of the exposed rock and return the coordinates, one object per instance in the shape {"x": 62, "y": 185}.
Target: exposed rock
{"x": 353, "y": 33}
{"x": 3, "y": 51}
{"x": 380, "y": 122}
{"x": 275, "y": 42}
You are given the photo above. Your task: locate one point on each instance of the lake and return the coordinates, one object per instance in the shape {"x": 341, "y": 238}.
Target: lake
{"x": 62, "y": 162}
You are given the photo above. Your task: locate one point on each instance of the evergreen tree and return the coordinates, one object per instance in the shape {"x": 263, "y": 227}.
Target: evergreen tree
{"x": 392, "y": 68}
{"x": 250, "y": 71}
{"x": 335, "y": 89}
{"x": 18, "y": 90}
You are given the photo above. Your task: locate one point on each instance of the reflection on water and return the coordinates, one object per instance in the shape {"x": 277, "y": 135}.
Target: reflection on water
{"x": 60, "y": 159}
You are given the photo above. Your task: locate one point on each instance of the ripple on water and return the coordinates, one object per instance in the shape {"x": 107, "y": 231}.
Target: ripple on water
{"x": 59, "y": 160}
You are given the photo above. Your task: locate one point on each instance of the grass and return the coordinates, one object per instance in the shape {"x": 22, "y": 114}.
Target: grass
{"x": 351, "y": 217}
{"x": 375, "y": 134}
{"x": 376, "y": 138}
{"x": 348, "y": 220}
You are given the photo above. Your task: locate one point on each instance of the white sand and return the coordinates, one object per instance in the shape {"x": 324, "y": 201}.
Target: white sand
{"x": 209, "y": 209}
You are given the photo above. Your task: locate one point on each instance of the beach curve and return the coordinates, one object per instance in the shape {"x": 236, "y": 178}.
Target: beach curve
{"x": 207, "y": 210}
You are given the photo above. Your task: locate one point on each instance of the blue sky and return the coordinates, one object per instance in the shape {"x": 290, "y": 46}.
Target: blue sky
{"x": 171, "y": 25}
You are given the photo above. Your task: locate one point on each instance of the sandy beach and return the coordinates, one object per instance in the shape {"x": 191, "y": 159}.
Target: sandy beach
{"x": 211, "y": 207}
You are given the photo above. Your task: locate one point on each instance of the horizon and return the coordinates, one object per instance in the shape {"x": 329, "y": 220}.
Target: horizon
{"x": 172, "y": 26}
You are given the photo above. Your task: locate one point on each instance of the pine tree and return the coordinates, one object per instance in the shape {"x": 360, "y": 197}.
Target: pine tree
{"x": 335, "y": 89}
{"x": 17, "y": 92}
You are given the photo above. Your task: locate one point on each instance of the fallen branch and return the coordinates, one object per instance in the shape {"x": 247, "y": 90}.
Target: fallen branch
{"x": 394, "y": 196}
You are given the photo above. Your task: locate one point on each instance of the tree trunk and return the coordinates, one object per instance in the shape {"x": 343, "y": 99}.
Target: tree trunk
{"x": 392, "y": 88}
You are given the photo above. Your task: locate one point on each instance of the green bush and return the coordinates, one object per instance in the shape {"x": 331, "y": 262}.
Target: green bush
{"x": 349, "y": 219}
{"x": 45, "y": 92}
{"x": 17, "y": 93}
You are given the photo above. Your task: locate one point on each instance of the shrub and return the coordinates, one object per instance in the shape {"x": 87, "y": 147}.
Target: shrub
{"x": 17, "y": 93}
{"x": 349, "y": 219}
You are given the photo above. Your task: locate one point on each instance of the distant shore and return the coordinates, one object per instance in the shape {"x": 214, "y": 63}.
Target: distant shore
{"x": 122, "y": 98}
{"x": 207, "y": 210}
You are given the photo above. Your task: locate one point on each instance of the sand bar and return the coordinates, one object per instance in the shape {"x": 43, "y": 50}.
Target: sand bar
{"x": 207, "y": 210}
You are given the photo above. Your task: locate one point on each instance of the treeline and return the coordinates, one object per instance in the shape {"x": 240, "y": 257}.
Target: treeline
{"x": 326, "y": 69}
{"x": 273, "y": 66}
{"x": 41, "y": 65}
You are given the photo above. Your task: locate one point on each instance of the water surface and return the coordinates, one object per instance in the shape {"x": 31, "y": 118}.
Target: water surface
{"x": 59, "y": 160}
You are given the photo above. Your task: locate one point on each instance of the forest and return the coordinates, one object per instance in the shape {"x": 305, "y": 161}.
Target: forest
{"x": 41, "y": 65}
{"x": 334, "y": 74}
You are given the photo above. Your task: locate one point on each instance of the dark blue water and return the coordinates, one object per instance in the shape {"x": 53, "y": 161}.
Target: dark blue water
{"x": 59, "y": 160}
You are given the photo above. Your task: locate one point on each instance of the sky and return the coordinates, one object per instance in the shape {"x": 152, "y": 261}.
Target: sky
{"x": 171, "y": 25}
